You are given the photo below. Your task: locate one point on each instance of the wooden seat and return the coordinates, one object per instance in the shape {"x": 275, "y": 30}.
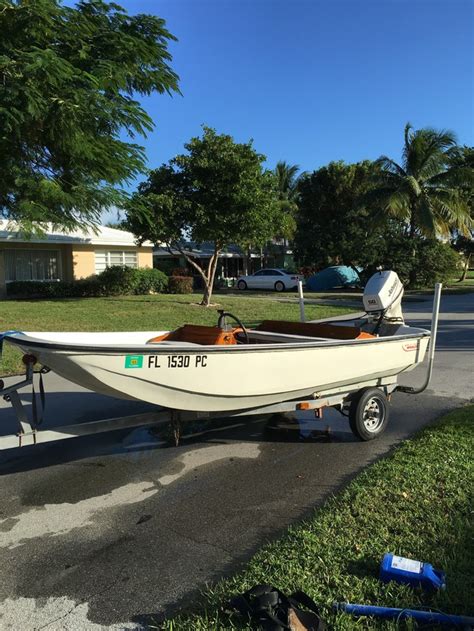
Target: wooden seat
{"x": 314, "y": 329}
{"x": 198, "y": 334}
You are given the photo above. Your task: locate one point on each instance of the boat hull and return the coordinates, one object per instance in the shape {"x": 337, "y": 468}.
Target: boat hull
{"x": 222, "y": 378}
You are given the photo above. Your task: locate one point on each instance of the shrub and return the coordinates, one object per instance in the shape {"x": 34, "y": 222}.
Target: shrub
{"x": 307, "y": 270}
{"x": 37, "y": 289}
{"x": 179, "y": 271}
{"x": 113, "y": 281}
{"x": 433, "y": 261}
{"x": 165, "y": 266}
{"x": 118, "y": 280}
{"x": 87, "y": 288}
{"x": 180, "y": 284}
{"x": 150, "y": 281}
{"x": 437, "y": 263}
{"x": 54, "y": 289}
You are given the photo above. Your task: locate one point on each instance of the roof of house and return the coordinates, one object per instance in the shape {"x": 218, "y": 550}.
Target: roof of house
{"x": 101, "y": 235}
{"x": 190, "y": 250}
{"x": 206, "y": 250}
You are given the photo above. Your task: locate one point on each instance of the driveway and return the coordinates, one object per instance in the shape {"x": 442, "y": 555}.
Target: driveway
{"x": 114, "y": 531}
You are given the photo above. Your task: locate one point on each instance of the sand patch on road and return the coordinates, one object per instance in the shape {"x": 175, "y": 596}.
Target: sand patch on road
{"x": 197, "y": 458}
{"x": 59, "y": 519}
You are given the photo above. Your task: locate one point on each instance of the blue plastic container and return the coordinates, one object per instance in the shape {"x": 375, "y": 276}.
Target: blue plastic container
{"x": 411, "y": 572}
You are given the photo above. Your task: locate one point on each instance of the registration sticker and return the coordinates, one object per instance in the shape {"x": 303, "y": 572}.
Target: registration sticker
{"x": 134, "y": 361}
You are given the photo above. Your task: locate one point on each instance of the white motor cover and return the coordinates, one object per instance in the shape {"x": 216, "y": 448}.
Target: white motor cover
{"x": 384, "y": 292}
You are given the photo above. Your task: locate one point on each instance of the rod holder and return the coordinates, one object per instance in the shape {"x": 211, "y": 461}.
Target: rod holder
{"x": 301, "y": 301}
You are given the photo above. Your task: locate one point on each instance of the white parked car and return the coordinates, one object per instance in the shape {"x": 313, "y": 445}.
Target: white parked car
{"x": 276, "y": 279}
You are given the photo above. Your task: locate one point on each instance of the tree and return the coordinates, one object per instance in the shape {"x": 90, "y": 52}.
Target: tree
{"x": 287, "y": 183}
{"x": 433, "y": 261}
{"x": 464, "y": 244}
{"x": 217, "y": 192}
{"x": 68, "y": 77}
{"x": 332, "y": 226}
{"x": 117, "y": 225}
{"x": 425, "y": 191}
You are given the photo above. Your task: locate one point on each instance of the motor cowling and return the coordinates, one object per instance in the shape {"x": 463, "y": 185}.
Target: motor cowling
{"x": 383, "y": 295}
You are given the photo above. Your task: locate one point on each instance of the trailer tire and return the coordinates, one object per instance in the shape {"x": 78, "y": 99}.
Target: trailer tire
{"x": 369, "y": 413}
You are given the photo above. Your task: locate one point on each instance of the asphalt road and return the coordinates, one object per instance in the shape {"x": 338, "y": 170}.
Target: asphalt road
{"x": 115, "y": 531}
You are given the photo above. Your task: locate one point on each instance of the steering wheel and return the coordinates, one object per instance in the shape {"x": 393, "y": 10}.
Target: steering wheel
{"x": 221, "y": 323}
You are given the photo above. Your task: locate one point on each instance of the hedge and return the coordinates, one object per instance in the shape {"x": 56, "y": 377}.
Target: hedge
{"x": 180, "y": 284}
{"x": 113, "y": 281}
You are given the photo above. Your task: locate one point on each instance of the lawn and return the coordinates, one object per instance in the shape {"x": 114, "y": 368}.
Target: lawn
{"x": 135, "y": 313}
{"x": 453, "y": 287}
{"x": 417, "y": 502}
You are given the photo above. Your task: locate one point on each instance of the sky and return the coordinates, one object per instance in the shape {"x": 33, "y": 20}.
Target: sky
{"x": 312, "y": 81}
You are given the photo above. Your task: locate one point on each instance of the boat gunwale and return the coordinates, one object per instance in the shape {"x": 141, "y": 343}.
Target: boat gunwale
{"x": 199, "y": 349}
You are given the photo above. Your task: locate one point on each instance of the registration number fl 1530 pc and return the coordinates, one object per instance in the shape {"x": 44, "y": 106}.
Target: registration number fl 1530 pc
{"x": 177, "y": 361}
{"x": 166, "y": 361}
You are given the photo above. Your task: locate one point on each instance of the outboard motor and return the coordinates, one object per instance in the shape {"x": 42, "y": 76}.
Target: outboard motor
{"x": 383, "y": 297}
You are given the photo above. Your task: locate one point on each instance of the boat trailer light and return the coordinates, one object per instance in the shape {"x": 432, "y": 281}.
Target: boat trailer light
{"x": 309, "y": 405}
{"x": 303, "y": 406}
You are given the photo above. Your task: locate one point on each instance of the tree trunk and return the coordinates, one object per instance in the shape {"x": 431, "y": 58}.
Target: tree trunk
{"x": 412, "y": 275}
{"x": 209, "y": 280}
{"x": 207, "y": 277}
{"x": 206, "y": 298}
{"x": 248, "y": 262}
{"x": 465, "y": 269}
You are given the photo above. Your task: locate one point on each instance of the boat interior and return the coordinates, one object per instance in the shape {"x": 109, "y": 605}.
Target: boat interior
{"x": 268, "y": 331}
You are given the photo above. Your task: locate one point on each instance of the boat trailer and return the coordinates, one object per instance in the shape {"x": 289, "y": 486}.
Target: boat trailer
{"x": 364, "y": 403}
{"x": 30, "y": 430}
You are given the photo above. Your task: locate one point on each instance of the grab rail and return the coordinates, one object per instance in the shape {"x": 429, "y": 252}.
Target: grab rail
{"x": 431, "y": 351}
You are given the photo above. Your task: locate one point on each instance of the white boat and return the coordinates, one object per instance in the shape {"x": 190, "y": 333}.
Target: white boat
{"x": 223, "y": 369}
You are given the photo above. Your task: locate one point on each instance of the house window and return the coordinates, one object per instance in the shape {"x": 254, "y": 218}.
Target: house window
{"x": 107, "y": 258}
{"x": 32, "y": 265}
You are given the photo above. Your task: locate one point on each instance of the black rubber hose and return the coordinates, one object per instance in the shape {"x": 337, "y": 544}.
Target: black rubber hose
{"x": 225, "y": 314}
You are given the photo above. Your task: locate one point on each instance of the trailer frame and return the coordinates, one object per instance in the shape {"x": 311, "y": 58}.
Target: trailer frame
{"x": 30, "y": 430}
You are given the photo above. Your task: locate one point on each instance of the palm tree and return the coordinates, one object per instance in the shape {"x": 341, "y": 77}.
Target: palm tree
{"x": 287, "y": 180}
{"x": 287, "y": 185}
{"x": 425, "y": 191}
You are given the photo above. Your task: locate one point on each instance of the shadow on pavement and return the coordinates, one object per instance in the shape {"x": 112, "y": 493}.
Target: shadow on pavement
{"x": 280, "y": 428}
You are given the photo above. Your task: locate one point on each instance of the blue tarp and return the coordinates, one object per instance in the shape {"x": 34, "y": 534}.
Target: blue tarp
{"x": 331, "y": 277}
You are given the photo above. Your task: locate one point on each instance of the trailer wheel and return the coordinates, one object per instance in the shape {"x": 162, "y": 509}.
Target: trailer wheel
{"x": 369, "y": 413}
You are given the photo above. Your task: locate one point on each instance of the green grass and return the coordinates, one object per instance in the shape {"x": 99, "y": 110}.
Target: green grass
{"x": 453, "y": 287}
{"x": 468, "y": 282}
{"x": 417, "y": 502}
{"x": 135, "y": 313}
